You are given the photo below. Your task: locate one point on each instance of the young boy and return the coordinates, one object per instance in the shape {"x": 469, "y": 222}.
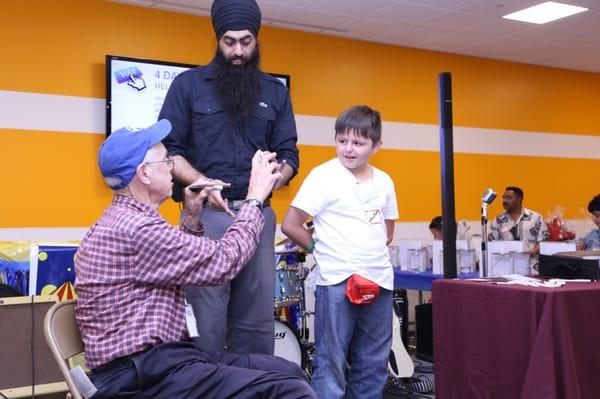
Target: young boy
{"x": 353, "y": 206}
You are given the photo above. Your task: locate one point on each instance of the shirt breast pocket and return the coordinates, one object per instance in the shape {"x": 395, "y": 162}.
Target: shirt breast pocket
{"x": 260, "y": 126}
{"x": 208, "y": 121}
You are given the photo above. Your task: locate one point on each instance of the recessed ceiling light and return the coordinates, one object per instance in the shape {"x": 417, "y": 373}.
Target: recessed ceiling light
{"x": 545, "y": 12}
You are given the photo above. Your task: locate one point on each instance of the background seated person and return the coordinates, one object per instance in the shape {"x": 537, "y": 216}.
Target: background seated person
{"x": 518, "y": 223}
{"x": 436, "y": 228}
{"x": 591, "y": 241}
{"x": 462, "y": 229}
{"x": 131, "y": 268}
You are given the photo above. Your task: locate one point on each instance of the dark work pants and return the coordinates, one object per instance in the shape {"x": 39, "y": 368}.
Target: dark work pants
{"x": 181, "y": 370}
{"x": 239, "y": 314}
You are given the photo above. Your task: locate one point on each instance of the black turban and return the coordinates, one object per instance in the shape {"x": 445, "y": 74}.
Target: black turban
{"x": 235, "y": 15}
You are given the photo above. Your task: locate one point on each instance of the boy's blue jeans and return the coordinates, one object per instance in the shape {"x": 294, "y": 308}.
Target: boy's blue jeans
{"x": 354, "y": 336}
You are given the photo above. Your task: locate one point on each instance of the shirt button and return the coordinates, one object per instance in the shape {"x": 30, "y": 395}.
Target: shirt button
{"x": 208, "y": 110}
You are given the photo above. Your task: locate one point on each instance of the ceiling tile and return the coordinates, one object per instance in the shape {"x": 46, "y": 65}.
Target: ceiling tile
{"x": 591, "y": 4}
{"x": 454, "y": 41}
{"x": 272, "y": 11}
{"x": 356, "y": 8}
{"x": 348, "y": 35}
{"x": 198, "y": 4}
{"x": 291, "y": 3}
{"x": 315, "y": 18}
{"x": 302, "y": 27}
{"x": 453, "y": 21}
{"x": 498, "y": 8}
{"x": 366, "y": 27}
{"x": 577, "y": 42}
{"x": 405, "y": 13}
{"x": 508, "y": 50}
{"x": 495, "y": 28}
{"x": 407, "y": 35}
{"x": 502, "y": 46}
{"x": 569, "y": 61}
{"x": 586, "y": 22}
{"x": 537, "y": 34}
{"x": 592, "y": 46}
{"x": 141, "y": 3}
{"x": 183, "y": 9}
{"x": 444, "y": 4}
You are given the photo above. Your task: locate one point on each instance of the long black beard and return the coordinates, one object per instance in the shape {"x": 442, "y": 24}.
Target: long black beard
{"x": 238, "y": 87}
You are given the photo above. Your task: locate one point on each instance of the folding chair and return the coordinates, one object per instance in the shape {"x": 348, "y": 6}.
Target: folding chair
{"x": 64, "y": 340}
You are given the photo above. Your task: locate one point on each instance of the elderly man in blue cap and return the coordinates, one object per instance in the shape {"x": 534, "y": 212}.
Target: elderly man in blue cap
{"x": 131, "y": 268}
{"x": 222, "y": 113}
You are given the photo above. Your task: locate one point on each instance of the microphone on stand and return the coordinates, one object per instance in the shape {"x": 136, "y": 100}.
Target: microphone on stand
{"x": 489, "y": 196}
{"x": 486, "y": 199}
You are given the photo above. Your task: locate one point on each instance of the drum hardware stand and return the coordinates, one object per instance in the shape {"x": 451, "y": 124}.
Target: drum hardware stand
{"x": 304, "y": 332}
{"x": 303, "y": 273}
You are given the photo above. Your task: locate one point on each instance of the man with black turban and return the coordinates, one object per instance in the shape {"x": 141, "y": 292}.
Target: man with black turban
{"x": 222, "y": 113}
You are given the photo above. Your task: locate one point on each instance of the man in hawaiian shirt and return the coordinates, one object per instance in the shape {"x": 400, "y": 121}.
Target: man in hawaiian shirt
{"x": 519, "y": 223}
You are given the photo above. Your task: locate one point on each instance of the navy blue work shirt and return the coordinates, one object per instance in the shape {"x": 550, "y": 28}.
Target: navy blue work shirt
{"x": 205, "y": 136}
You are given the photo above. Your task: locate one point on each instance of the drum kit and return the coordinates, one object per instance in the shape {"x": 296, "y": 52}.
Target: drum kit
{"x": 290, "y": 310}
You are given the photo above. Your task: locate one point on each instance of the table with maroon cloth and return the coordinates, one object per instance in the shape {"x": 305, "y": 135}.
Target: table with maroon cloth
{"x": 508, "y": 341}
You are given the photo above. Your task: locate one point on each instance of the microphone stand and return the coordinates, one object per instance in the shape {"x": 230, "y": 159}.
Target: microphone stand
{"x": 484, "y": 239}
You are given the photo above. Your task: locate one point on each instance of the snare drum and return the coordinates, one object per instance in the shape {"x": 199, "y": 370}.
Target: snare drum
{"x": 288, "y": 345}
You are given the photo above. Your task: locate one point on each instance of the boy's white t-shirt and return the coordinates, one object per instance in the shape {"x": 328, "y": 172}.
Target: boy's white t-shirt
{"x": 349, "y": 219}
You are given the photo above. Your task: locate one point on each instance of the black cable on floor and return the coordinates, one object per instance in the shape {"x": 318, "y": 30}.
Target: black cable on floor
{"x": 404, "y": 393}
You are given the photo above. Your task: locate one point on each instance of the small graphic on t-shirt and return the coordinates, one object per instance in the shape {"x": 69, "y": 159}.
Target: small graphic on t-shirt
{"x": 374, "y": 216}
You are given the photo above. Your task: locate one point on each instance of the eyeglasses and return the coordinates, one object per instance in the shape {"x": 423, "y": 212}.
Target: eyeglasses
{"x": 170, "y": 161}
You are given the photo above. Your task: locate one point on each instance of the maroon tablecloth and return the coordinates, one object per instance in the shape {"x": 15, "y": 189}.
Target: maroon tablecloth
{"x": 499, "y": 341}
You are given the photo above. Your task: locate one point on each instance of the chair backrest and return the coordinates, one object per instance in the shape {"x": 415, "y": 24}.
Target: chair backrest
{"x": 64, "y": 340}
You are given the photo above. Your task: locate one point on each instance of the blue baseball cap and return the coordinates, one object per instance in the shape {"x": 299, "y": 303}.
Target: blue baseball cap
{"x": 125, "y": 149}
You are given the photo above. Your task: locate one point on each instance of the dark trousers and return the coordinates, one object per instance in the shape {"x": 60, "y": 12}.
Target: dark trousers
{"x": 181, "y": 370}
{"x": 238, "y": 314}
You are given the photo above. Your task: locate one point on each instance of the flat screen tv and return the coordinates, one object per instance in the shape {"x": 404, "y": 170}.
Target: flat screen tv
{"x": 136, "y": 89}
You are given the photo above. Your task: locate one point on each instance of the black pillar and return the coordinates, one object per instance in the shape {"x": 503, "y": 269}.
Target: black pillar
{"x": 447, "y": 164}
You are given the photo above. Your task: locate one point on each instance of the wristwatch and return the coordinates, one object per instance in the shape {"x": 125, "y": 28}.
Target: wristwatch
{"x": 255, "y": 202}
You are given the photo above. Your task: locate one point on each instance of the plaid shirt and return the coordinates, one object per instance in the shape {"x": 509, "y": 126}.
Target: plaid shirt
{"x": 131, "y": 268}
